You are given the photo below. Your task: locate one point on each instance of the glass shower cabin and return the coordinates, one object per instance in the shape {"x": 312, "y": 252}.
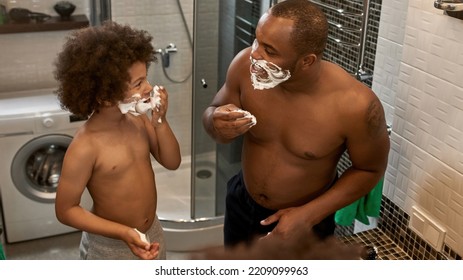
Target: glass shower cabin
{"x": 201, "y": 222}
{"x": 221, "y": 30}
{"x": 185, "y": 36}
{"x": 195, "y": 42}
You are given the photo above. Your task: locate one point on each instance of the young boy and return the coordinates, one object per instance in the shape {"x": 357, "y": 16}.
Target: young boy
{"x": 102, "y": 75}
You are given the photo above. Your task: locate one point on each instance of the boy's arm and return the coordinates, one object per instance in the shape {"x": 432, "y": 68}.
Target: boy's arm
{"x": 163, "y": 143}
{"x": 76, "y": 171}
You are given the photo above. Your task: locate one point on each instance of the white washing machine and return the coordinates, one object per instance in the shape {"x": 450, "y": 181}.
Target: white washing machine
{"x": 34, "y": 135}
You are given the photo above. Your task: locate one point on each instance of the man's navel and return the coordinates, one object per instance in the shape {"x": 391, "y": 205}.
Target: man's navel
{"x": 262, "y": 198}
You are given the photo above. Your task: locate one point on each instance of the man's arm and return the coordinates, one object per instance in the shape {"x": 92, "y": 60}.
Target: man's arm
{"x": 368, "y": 148}
{"x": 220, "y": 119}
{"x": 367, "y": 142}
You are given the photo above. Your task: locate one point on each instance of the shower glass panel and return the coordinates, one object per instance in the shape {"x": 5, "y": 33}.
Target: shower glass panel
{"x": 237, "y": 24}
{"x": 195, "y": 44}
{"x": 185, "y": 37}
{"x": 100, "y": 10}
{"x": 205, "y": 77}
{"x": 217, "y": 41}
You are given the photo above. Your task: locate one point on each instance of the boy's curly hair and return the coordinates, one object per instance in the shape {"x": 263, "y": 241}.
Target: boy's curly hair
{"x": 93, "y": 66}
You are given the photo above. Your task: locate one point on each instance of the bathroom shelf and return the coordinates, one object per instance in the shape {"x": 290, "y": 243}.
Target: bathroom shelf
{"x": 53, "y": 24}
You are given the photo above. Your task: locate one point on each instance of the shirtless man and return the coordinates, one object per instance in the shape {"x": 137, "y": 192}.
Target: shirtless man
{"x": 102, "y": 74}
{"x": 308, "y": 112}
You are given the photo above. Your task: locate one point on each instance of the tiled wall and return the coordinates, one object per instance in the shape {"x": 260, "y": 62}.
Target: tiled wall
{"x": 344, "y": 54}
{"x": 26, "y": 59}
{"x": 394, "y": 223}
{"x": 162, "y": 19}
{"x": 416, "y": 65}
{"x": 418, "y": 70}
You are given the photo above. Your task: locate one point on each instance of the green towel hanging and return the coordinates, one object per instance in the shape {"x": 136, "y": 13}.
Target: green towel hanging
{"x": 367, "y": 206}
{"x": 2, "y": 254}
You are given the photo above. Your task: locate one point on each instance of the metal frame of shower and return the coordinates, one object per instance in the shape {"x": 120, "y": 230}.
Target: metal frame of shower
{"x": 100, "y": 11}
{"x": 360, "y": 73}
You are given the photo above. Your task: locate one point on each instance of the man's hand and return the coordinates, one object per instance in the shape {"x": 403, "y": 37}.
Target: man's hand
{"x": 291, "y": 222}
{"x": 230, "y": 121}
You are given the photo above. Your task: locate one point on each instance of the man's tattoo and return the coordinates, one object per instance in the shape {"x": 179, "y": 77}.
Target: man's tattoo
{"x": 375, "y": 119}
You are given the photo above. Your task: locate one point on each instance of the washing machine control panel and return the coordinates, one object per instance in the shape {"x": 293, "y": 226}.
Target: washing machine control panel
{"x": 16, "y": 126}
{"x": 48, "y": 122}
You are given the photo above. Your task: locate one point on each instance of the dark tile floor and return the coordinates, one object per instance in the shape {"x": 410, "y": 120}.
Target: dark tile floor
{"x": 385, "y": 247}
{"x": 66, "y": 247}
{"x": 60, "y": 247}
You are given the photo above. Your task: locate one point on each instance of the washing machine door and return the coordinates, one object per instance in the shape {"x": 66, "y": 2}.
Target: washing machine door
{"x": 36, "y": 167}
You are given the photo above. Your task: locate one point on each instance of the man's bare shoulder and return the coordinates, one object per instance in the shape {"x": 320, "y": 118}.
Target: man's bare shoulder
{"x": 364, "y": 110}
{"x": 240, "y": 64}
{"x": 356, "y": 103}
{"x": 344, "y": 87}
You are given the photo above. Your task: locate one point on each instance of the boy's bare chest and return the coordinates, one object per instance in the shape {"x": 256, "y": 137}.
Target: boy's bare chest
{"x": 119, "y": 151}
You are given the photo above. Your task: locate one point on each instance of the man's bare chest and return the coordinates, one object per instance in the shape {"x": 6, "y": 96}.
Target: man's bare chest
{"x": 297, "y": 125}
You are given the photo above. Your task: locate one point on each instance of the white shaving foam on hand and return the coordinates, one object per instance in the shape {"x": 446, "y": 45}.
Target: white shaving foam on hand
{"x": 156, "y": 100}
{"x": 247, "y": 115}
{"x": 142, "y": 236}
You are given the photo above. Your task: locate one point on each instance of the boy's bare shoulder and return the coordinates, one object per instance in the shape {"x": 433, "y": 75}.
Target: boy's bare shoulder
{"x": 83, "y": 140}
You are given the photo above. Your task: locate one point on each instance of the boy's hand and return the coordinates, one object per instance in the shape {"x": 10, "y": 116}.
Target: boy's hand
{"x": 160, "y": 104}
{"x": 146, "y": 252}
{"x": 140, "y": 247}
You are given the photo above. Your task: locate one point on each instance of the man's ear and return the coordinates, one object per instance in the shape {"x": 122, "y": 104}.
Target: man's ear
{"x": 309, "y": 60}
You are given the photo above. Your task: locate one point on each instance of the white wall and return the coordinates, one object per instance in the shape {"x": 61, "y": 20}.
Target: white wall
{"x": 162, "y": 19}
{"x": 26, "y": 59}
{"x": 418, "y": 76}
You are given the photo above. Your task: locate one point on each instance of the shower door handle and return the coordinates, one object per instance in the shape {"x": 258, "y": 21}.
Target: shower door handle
{"x": 203, "y": 83}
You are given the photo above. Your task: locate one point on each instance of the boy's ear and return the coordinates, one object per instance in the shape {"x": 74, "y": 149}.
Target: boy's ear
{"x": 103, "y": 103}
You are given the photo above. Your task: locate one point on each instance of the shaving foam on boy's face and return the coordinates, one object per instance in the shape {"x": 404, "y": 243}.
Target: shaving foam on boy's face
{"x": 265, "y": 74}
{"x": 136, "y": 105}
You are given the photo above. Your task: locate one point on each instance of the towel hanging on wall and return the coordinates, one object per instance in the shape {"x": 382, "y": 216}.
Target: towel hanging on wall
{"x": 367, "y": 206}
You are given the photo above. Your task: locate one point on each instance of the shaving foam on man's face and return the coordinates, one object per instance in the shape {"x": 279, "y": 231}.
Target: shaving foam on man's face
{"x": 265, "y": 74}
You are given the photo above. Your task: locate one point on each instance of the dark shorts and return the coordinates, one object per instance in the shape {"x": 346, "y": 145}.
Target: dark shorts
{"x": 243, "y": 216}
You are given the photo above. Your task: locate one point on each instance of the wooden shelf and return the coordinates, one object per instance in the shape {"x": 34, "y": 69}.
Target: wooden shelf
{"x": 53, "y": 24}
